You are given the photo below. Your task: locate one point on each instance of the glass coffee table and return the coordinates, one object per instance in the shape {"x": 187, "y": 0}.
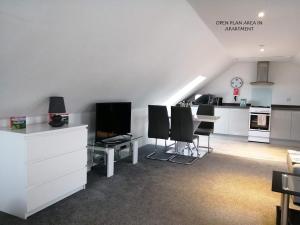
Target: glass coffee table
{"x": 109, "y": 148}
{"x": 287, "y": 184}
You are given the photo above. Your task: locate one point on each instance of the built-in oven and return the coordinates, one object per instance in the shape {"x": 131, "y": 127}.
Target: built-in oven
{"x": 260, "y": 121}
{"x": 259, "y": 124}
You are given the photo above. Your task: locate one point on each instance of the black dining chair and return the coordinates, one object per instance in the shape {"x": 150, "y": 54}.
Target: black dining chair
{"x": 182, "y": 130}
{"x": 206, "y": 128}
{"x": 158, "y": 128}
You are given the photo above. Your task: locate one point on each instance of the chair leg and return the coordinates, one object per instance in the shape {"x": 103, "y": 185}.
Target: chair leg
{"x": 196, "y": 147}
{"x": 92, "y": 157}
{"x": 155, "y": 150}
{"x": 170, "y": 145}
{"x": 209, "y": 149}
{"x": 208, "y": 137}
{"x": 151, "y": 155}
{"x": 184, "y": 163}
{"x": 189, "y": 149}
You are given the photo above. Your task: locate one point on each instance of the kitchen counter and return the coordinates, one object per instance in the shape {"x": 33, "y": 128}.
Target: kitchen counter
{"x": 230, "y": 105}
{"x": 233, "y": 105}
{"x": 286, "y": 107}
{"x": 274, "y": 106}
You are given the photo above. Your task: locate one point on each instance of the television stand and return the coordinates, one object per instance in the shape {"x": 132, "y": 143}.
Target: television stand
{"x": 109, "y": 149}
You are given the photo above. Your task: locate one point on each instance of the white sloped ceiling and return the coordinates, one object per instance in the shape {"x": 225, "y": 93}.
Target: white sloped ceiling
{"x": 97, "y": 50}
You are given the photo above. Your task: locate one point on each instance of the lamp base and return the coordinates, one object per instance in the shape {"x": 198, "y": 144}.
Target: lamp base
{"x": 57, "y": 121}
{"x": 52, "y": 124}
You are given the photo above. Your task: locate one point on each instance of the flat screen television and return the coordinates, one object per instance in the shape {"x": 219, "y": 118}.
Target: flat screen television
{"x": 112, "y": 119}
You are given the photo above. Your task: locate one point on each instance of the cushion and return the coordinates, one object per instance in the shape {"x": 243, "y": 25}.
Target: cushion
{"x": 293, "y": 158}
{"x": 293, "y": 152}
{"x": 202, "y": 131}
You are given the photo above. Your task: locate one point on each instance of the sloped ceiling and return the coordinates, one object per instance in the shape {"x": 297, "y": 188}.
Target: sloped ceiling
{"x": 97, "y": 50}
{"x": 279, "y": 32}
{"x": 296, "y": 58}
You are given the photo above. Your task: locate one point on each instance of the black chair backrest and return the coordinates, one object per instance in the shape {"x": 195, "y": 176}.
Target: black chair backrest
{"x": 182, "y": 127}
{"x": 158, "y": 122}
{"x": 208, "y": 110}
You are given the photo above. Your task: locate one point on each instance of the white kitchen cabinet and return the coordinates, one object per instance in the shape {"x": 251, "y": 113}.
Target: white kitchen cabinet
{"x": 295, "y": 126}
{"x": 233, "y": 121}
{"x": 221, "y": 125}
{"x": 285, "y": 124}
{"x": 281, "y": 124}
{"x": 238, "y": 122}
{"x": 41, "y": 165}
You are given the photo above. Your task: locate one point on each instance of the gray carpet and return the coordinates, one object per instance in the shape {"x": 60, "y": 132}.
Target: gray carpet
{"x": 218, "y": 189}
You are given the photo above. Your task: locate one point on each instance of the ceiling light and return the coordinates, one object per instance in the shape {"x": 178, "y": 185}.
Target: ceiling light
{"x": 261, "y": 14}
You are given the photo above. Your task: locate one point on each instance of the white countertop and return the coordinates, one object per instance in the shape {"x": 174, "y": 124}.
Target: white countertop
{"x": 41, "y": 128}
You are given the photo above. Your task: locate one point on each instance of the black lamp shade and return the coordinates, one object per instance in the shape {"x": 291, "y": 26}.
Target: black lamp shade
{"x": 57, "y": 105}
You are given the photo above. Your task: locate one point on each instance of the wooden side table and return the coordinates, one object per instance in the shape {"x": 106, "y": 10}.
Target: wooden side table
{"x": 109, "y": 151}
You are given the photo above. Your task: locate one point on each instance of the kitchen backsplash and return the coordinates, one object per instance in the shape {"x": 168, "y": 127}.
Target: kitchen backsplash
{"x": 261, "y": 96}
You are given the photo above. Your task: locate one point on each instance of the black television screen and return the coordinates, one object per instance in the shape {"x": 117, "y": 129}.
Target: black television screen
{"x": 112, "y": 119}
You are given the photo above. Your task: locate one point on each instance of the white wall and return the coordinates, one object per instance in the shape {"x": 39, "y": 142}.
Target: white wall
{"x": 220, "y": 86}
{"x": 97, "y": 50}
{"x": 285, "y": 75}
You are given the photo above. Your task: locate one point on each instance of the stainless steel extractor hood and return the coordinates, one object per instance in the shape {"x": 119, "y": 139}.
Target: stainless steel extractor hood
{"x": 262, "y": 74}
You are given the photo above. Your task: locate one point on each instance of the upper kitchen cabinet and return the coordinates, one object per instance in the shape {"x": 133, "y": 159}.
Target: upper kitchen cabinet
{"x": 281, "y": 124}
{"x": 295, "y": 125}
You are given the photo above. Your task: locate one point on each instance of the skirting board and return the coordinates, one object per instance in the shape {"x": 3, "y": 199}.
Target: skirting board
{"x": 285, "y": 143}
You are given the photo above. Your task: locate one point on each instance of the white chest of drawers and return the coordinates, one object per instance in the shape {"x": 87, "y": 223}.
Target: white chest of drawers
{"x": 41, "y": 165}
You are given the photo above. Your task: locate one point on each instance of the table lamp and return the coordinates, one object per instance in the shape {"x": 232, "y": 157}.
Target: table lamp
{"x": 56, "y": 106}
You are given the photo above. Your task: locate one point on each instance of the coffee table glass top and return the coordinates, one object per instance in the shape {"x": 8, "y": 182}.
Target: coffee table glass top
{"x": 286, "y": 183}
{"x": 290, "y": 182}
{"x": 114, "y": 141}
